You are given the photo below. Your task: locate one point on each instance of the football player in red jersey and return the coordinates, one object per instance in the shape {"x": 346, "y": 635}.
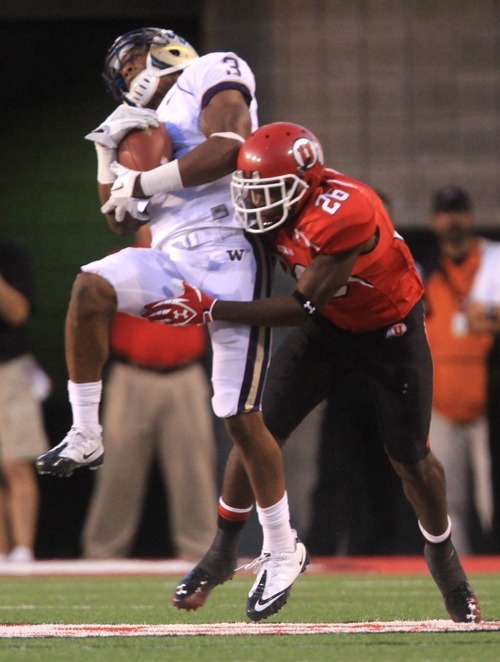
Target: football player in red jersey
{"x": 357, "y": 306}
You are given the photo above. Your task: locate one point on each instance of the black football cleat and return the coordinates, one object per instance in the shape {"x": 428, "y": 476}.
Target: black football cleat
{"x": 459, "y": 599}
{"x": 213, "y": 570}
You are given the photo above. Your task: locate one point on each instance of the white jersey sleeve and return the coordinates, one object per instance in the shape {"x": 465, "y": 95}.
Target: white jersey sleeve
{"x": 183, "y": 105}
{"x": 220, "y": 71}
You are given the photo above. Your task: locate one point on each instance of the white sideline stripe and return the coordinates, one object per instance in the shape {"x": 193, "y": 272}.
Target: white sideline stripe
{"x": 239, "y": 629}
{"x": 96, "y": 567}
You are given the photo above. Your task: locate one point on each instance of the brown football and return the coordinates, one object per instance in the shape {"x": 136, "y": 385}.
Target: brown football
{"x": 145, "y": 149}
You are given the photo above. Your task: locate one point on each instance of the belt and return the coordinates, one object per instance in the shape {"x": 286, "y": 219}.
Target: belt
{"x": 151, "y": 367}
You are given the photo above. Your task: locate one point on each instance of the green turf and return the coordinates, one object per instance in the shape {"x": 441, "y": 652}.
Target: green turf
{"x": 332, "y": 598}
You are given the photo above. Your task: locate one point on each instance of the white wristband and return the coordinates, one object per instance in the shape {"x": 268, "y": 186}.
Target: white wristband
{"x": 163, "y": 179}
{"x": 436, "y": 539}
{"x": 228, "y": 134}
{"x": 105, "y": 157}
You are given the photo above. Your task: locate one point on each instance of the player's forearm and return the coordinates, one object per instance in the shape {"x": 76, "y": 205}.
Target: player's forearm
{"x": 274, "y": 311}
{"x": 14, "y": 306}
{"x": 209, "y": 161}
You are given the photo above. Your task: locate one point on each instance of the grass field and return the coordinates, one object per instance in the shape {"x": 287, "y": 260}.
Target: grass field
{"x": 316, "y": 598}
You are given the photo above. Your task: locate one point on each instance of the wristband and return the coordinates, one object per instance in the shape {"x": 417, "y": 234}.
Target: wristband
{"x": 163, "y": 179}
{"x": 208, "y": 315}
{"x": 228, "y": 134}
{"x": 105, "y": 157}
{"x": 308, "y": 306}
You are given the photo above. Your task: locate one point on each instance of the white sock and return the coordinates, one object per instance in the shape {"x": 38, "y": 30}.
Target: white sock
{"x": 275, "y": 522}
{"x": 85, "y": 400}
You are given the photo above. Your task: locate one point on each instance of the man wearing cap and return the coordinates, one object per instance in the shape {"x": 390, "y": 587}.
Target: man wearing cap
{"x": 459, "y": 431}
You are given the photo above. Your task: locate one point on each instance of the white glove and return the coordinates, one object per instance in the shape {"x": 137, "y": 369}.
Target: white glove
{"x": 124, "y": 119}
{"x": 121, "y": 192}
{"x": 137, "y": 208}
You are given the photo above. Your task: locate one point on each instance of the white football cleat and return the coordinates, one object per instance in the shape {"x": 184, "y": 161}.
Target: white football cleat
{"x": 76, "y": 450}
{"x": 277, "y": 572}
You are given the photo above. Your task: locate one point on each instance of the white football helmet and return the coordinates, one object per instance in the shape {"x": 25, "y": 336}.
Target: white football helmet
{"x": 167, "y": 53}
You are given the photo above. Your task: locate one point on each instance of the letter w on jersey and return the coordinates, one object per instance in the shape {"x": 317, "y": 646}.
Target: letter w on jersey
{"x": 236, "y": 254}
{"x": 191, "y": 308}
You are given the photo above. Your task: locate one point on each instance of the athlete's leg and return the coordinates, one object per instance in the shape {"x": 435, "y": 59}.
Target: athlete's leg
{"x": 285, "y": 404}
{"x": 88, "y": 322}
{"x": 450, "y": 443}
{"x": 424, "y": 485}
{"x": 236, "y": 487}
{"x": 122, "y": 282}
{"x": 404, "y": 395}
{"x": 260, "y": 456}
{"x": 240, "y": 358}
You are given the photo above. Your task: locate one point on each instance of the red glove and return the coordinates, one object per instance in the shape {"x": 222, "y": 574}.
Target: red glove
{"x": 191, "y": 308}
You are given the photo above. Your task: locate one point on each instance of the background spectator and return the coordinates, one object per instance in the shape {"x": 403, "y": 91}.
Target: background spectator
{"x": 459, "y": 431}
{"x": 484, "y": 315}
{"x": 156, "y": 408}
{"x": 22, "y": 433}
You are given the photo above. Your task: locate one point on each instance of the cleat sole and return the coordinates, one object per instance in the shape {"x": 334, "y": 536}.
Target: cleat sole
{"x": 198, "y": 598}
{"x": 65, "y": 468}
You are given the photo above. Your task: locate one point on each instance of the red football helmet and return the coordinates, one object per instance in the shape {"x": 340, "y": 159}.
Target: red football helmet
{"x": 278, "y": 166}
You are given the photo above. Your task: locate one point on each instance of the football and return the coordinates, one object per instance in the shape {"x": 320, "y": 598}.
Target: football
{"x": 145, "y": 149}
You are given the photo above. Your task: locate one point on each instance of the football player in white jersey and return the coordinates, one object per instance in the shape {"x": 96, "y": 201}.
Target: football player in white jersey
{"x": 209, "y": 108}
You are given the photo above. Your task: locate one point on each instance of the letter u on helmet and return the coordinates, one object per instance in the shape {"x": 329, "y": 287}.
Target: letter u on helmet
{"x": 278, "y": 167}
{"x": 166, "y": 51}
